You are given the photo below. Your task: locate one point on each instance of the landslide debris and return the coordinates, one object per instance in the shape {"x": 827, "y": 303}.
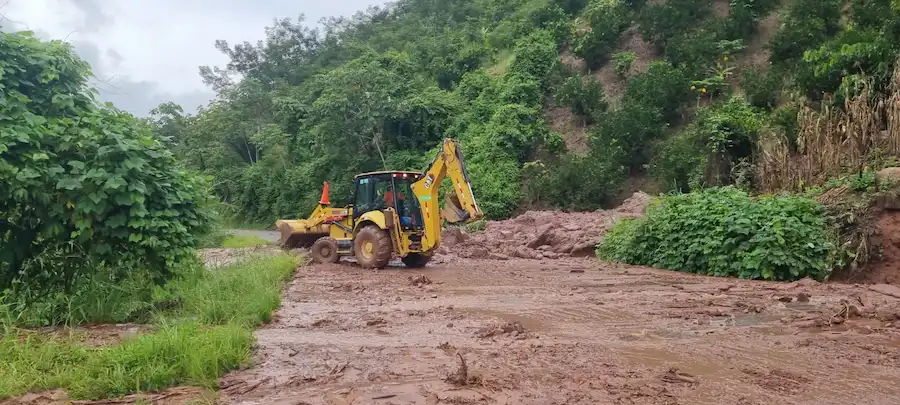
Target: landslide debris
{"x": 541, "y": 234}
{"x": 511, "y": 329}
{"x": 419, "y": 281}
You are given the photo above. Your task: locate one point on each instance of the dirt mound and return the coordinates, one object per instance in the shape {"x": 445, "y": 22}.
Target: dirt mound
{"x": 512, "y": 329}
{"x": 418, "y": 281}
{"x": 541, "y": 234}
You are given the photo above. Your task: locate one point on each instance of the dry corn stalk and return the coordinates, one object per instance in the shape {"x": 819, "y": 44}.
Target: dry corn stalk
{"x": 833, "y": 141}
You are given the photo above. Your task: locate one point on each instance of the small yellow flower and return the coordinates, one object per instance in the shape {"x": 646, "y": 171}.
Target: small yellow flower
{"x": 703, "y": 90}
{"x": 693, "y": 87}
{"x": 726, "y": 57}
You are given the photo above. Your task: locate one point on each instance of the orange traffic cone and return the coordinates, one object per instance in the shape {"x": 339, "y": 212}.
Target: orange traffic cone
{"x": 324, "y": 200}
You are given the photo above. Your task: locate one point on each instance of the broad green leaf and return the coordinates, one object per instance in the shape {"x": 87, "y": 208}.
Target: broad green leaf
{"x": 68, "y": 183}
{"x": 115, "y": 182}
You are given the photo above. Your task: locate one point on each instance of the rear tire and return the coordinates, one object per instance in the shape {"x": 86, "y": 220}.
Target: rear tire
{"x": 325, "y": 250}
{"x": 372, "y": 247}
{"x": 416, "y": 260}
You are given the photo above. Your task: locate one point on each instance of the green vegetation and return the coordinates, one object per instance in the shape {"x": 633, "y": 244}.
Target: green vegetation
{"x": 203, "y": 329}
{"x": 725, "y": 232}
{"x": 86, "y": 189}
{"x": 380, "y": 89}
{"x": 623, "y": 62}
{"x": 102, "y": 212}
{"x": 240, "y": 241}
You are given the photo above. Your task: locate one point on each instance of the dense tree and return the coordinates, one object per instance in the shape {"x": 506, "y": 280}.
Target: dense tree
{"x": 380, "y": 89}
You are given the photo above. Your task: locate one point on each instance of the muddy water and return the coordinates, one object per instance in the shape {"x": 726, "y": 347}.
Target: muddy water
{"x": 535, "y": 333}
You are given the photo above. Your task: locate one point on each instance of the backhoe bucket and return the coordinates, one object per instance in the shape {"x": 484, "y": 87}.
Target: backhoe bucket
{"x": 453, "y": 211}
{"x": 296, "y": 233}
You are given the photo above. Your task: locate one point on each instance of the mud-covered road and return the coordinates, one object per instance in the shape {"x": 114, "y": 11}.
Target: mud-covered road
{"x": 570, "y": 332}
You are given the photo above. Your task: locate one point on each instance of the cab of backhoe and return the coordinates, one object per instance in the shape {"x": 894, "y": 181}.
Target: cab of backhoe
{"x": 379, "y": 191}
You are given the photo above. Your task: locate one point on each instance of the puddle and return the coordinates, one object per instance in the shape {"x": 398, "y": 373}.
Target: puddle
{"x": 656, "y": 334}
{"x": 801, "y": 306}
{"x": 743, "y": 320}
{"x": 530, "y": 324}
{"x": 661, "y": 358}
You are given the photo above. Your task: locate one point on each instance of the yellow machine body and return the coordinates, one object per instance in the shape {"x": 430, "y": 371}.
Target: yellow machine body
{"x": 407, "y": 225}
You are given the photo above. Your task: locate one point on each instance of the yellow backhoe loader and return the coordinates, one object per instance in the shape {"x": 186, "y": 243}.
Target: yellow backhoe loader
{"x": 393, "y": 213}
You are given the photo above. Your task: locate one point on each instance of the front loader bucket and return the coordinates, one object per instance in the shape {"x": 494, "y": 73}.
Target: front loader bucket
{"x": 453, "y": 211}
{"x": 296, "y": 233}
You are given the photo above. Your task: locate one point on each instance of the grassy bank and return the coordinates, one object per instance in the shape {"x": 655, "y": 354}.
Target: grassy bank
{"x": 205, "y": 332}
{"x": 243, "y": 241}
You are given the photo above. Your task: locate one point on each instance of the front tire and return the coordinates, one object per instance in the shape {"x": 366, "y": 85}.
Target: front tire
{"x": 325, "y": 250}
{"x": 372, "y": 247}
{"x": 416, "y": 260}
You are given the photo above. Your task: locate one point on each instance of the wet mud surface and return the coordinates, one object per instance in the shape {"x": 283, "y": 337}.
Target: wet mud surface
{"x": 570, "y": 331}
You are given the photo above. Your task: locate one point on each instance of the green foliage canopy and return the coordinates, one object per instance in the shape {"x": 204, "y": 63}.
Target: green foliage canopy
{"x": 82, "y": 185}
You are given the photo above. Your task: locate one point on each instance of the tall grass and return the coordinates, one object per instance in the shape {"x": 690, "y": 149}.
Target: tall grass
{"x": 99, "y": 299}
{"x": 243, "y": 294}
{"x": 243, "y": 241}
{"x": 206, "y": 332}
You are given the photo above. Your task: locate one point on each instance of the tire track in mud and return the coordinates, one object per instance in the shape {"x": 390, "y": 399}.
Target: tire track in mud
{"x": 534, "y": 333}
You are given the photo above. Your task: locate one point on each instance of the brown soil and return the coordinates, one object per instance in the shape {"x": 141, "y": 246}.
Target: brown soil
{"x": 756, "y": 54}
{"x": 173, "y": 396}
{"x": 529, "y": 332}
{"x": 721, "y": 9}
{"x": 540, "y": 235}
{"x": 570, "y": 126}
{"x": 221, "y": 257}
{"x": 887, "y": 269}
{"x": 613, "y": 85}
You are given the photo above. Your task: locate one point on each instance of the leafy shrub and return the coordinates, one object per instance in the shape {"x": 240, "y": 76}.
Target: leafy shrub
{"x": 807, "y": 25}
{"x": 619, "y": 240}
{"x": 522, "y": 18}
{"x": 572, "y": 6}
{"x": 583, "y": 95}
{"x": 606, "y": 19}
{"x": 83, "y": 185}
{"x": 762, "y": 87}
{"x": 743, "y": 16}
{"x": 623, "y": 62}
{"x": 576, "y": 182}
{"x": 650, "y": 102}
{"x": 662, "y": 86}
{"x": 870, "y": 13}
{"x": 536, "y": 55}
{"x": 663, "y": 21}
{"x": 851, "y": 52}
{"x": 725, "y": 232}
{"x": 693, "y": 51}
{"x": 706, "y": 152}
{"x": 632, "y": 127}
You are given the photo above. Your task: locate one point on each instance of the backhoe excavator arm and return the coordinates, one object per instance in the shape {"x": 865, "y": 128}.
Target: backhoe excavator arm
{"x": 459, "y": 207}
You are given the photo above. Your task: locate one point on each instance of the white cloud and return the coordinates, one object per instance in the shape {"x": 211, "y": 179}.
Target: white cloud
{"x": 147, "y": 52}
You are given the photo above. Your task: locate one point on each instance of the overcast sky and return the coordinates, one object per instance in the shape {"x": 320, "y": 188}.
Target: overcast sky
{"x": 145, "y": 52}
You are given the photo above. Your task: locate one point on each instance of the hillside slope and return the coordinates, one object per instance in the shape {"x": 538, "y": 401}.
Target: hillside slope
{"x": 558, "y": 103}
